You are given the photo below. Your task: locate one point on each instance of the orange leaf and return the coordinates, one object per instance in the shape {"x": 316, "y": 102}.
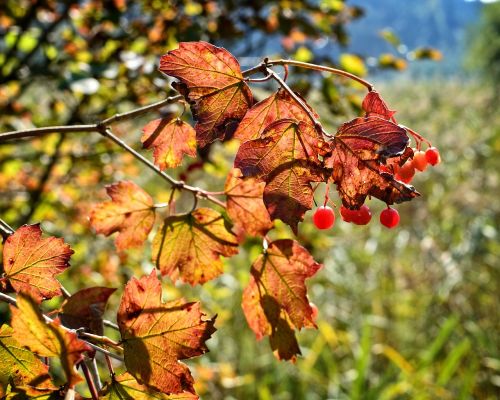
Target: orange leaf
{"x": 20, "y": 367}
{"x": 211, "y": 80}
{"x": 125, "y": 386}
{"x": 157, "y": 335}
{"x": 245, "y": 206}
{"x": 189, "y": 246}
{"x": 130, "y": 213}
{"x": 275, "y": 300}
{"x": 170, "y": 139}
{"x": 47, "y": 339}
{"x": 31, "y": 262}
{"x": 279, "y": 105}
{"x": 85, "y": 308}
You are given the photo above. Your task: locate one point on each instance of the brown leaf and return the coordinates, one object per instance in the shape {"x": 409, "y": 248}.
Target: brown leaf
{"x": 31, "y": 262}
{"x": 279, "y": 105}
{"x": 85, "y": 308}
{"x": 245, "y": 206}
{"x": 170, "y": 140}
{"x": 190, "y": 246}
{"x": 157, "y": 335}
{"x": 373, "y": 105}
{"x": 20, "y": 367}
{"x": 130, "y": 213}
{"x": 125, "y": 386}
{"x": 47, "y": 339}
{"x": 275, "y": 301}
{"x": 211, "y": 80}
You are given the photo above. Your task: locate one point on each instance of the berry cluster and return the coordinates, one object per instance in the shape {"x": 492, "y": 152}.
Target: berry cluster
{"x": 420, "y": 160}
{"x": 324, "y": 217}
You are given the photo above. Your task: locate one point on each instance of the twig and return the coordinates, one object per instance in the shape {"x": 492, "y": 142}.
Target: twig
{"x": 10, "y": 300}
{"x": 5, "y": 230}
{"x": 110, "y": 324}
{"x": 101, "y": 339}
{"x": 90, "y": 381}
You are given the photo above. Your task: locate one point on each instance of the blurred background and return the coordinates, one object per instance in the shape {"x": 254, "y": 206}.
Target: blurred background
{"x": 410, "y": 313}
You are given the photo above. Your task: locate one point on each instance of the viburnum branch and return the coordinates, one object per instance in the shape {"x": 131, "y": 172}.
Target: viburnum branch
{"x": 110, "y": 324}
{"x": 90, "y": 381}
{"x": 10, "y": 300}
{"x": 101, "y": 339}
{"x": 5, "y": 230}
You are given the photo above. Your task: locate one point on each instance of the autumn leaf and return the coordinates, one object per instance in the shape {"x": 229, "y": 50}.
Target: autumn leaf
{"x": 125, "y": 386}
{"x": 157, "y": 335}
{"x": 275, "y": 301}
{"x": 279, "y": 105}
{"x": 85, "y": 308}
{"x": 373, "y": 105}
{"x": 47, "y": 339}
{"x": 287, "y": 158}
{"x": 211, "y": 80}
{"x": 358, "y": 150}
{"x": 20, "y": 367}
{"x": 245, "y": 206}
{"x": 170, "y": 139}
{"x": 31, "y": 262}
{"x": 130, "y": 212}
{"x": 190, "y": 246}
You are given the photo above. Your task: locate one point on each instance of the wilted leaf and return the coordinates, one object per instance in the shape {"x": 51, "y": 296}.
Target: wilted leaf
{"x": 275, "y": 301}
{"x": 287, "y": 158}
{"x": 170, "y": 139}
{"x": 279, "y": 105}
{"x": 245, "y": 206}
{"x": 125, "y": 386}
{"x": 47, "y": 339}
{"x": 156, "y": 336}
{"x": 358, "y": 149}
{"x": 19, "y": 367}
{"x": 211, "y": 80}
{"x": 31, "y": 262}
{"x": 189, "y": 246}
{"x": 130, "y": 213}
{"x": 85, "y": 308}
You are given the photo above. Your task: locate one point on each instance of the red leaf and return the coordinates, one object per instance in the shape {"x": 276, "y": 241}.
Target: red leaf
{"x": 375, "y": 106}
{"x": 211, "y": 80}
{"x": 85, "y": 308}
{"x": 190, "y": 246}
{"x": 286, "y": 157}
{"x": 31, "y": 262}
{"x": 157, "y": 335}
{"x": 279, "y": 105}
{"x": 275, "y": 301}
{"x": 130, "y": 213}
{"x": 170, "y": 139}
{"x": 245, "y": 206}
{"x": 47, "y": 339}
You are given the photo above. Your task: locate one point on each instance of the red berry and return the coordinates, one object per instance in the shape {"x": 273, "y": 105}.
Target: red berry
{"x": 406, "y": 173}
{"x": 389, "y": 217}
{"x": 419, "y": 160}
{"x": 432, "y": 156}
{"x": 362, "y": 216}
{"x": 324, "y": 217}
{"x": 346, "y": 214}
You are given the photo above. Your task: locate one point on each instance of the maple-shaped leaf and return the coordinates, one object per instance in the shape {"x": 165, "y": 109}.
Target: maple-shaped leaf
{"x": 211, "y": 80}
{"x": 85, "y": 308}
{"x": 125, "y": 386}
{"x": 170, "y": 139}
{"x": 279, "y": 105}
{"x": 288, "y": 193}
{"x": 373, "y": 105}
{"x": 275, "y": 301}
{"x": 358, "y": 149}
{"x": 157, "y": 335}
{"x": 190, "y": 246}
{"x": 287, "y": 158}
{"x": 30, "y": 262}
{"x": 47, "y": 339}
{"x": 130, "y": 212}
{"x": 19, "y": 367}
{"x": 245, "y": 206}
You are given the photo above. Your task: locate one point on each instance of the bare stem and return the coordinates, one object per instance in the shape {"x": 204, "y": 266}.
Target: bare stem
{"x": 90, "y": 381}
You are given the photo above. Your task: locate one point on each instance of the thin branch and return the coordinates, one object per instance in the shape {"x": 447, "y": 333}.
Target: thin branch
{"x": 24, "y": 133}
{"x": 110, "y": 324}
{"x": 90, "y": 381}
{"x": 5, "y": 229}
{"x": 10, "y": 300}
{"x": 101, "y": 339}
{"x": 316, "y": 67}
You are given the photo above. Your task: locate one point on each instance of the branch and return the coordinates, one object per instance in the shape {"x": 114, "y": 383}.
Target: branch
{"x": 5, "y": 229}
{"x": 10, "y": 300}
